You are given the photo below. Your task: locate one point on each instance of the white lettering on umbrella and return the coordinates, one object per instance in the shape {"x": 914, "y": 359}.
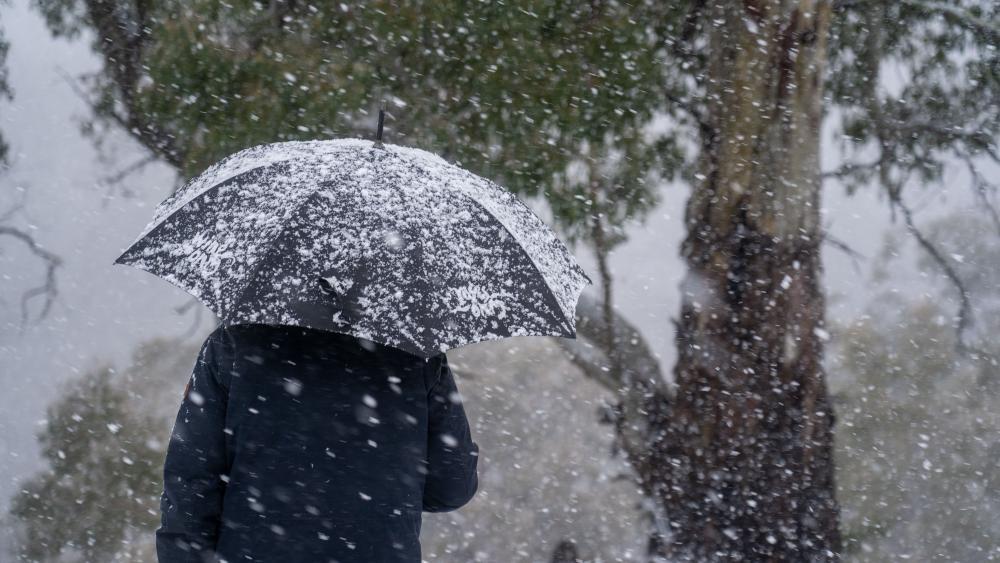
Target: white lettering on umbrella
{"x": 476, "y": 300}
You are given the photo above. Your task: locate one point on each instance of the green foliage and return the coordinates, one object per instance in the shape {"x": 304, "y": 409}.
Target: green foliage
{"x": 103, "y": 442}
{"x": 918, "y": 80}
{"x": 548, "y": 97}
{"x": 103, "y": 481}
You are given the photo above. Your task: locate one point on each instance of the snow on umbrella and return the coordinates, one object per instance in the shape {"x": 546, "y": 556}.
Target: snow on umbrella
{"x": 388, "y": 243}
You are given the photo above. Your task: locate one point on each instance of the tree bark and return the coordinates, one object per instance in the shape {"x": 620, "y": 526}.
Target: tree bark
{"x": 745, "y": 471}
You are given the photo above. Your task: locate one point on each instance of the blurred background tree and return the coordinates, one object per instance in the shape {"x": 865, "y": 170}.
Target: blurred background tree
{"x": 940, "y": 107}
{"x": 592, "y": 106}
{"x": 104, "y": 440}
{"x": 917, "y": 446}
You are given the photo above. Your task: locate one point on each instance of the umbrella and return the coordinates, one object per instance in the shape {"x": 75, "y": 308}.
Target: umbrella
{"x": 388, "y": 243}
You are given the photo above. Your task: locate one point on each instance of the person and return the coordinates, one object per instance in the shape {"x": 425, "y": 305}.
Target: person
{"x": 293, "y": 444}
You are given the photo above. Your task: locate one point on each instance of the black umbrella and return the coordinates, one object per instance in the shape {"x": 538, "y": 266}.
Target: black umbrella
{"x": 388, "y": 243}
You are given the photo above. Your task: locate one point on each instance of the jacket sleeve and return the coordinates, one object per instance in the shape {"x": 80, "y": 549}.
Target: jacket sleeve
{"x": 196, "y": 469}
{"x": 452, "y": 456}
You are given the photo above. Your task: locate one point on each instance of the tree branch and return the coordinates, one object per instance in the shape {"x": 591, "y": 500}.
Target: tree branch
{"x": 642, "y": 398}
{"x": 122, "y": 52}
{"x": 849, "y": 168}
{"x": 854, "y": 255}
{"x": 640, "y": 366}
{"x": 894, "y": 188}
{"x": 183, "y": 308}
{"x": 958, "y": 15}
{"x": 125, "y": 172}
{"x": 48, "y": 289}
{"x": 964, "y": 315}
{"x": 591, "y": 361}
{"x": 980, "y": 187}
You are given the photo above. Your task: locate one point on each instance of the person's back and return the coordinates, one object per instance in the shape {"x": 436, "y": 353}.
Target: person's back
{"x": 295, "y": 444}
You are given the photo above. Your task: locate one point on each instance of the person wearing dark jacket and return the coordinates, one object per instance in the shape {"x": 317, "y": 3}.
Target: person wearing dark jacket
{"x": 301, "y": 445}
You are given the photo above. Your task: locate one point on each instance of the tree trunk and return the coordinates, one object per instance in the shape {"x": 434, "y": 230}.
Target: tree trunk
{"x": 745, "y": 471}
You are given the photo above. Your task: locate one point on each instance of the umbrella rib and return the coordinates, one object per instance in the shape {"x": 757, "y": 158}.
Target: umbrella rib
{"x": 288, "y": 158}
{"x": 550, "y": 293}
{"x": 201, "y": 195}
{"x": 269, "y": 247}
{"x": 150, "y": 231}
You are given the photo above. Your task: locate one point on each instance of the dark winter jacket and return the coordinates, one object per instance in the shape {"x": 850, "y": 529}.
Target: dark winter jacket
{"x": 301, "y": 445}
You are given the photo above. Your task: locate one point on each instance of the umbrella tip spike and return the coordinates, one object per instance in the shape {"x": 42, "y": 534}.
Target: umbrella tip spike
{"x": 381, "y": 121}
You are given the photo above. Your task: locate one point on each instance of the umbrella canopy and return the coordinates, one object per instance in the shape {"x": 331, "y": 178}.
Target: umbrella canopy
{"x": 387, "y": 243}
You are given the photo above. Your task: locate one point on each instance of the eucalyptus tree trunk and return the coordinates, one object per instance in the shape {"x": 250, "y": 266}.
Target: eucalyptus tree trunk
{"x": 747, "y": 460}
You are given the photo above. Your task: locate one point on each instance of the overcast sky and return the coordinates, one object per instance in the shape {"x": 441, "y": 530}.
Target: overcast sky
{"x": 103, "y": 311}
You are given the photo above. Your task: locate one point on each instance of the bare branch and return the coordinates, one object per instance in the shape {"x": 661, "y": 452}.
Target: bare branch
{"x": 122, "y": 52}
{"x": 894, "y": 188}
{"x": 854, "y": 255}
{"x": 989, "y": 150}
{"x": 849, "y": 168}
{"x": 981, "y": 188}
{"x": 640, "y": 392}
{"x": 964, "y": 315}
{"x": 130, "y": 169}
{"x": 48, "y": 289}
{"x": 640, "y": 367}
{"x": 7, "y": 215}
{"x": 591, "y": 361}
{"x": 183, "y": 308}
